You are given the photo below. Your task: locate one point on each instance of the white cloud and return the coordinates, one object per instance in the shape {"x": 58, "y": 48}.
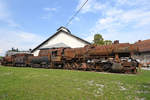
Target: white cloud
{"x": 5, "y": 15}
{"x": 125, "y": 24}
{"x": 1, "y": 50}
{"x": 89, "y": 38}
{"x": 129, "y": 3}
{"x": 91, "y": 6}
{"x": 77, "y": 19}
{"x": 126, "y": 20}
{"x": 18, "y": 39}
{"x": 105, "y": 21}
{"x": 12, "y": 36}
{"x": 47, "y": 16}
{"x": 3, "y": 11}
{"x": 49, "y": 9}
{"x": 49, "y": 13}
{"x": 136, "y": 17}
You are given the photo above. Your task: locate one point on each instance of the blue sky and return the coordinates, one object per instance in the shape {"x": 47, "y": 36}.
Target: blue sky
{"x": 26, "y": 23}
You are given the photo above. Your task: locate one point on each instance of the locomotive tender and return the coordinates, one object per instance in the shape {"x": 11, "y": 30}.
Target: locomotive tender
{"x": 107, "y": 58}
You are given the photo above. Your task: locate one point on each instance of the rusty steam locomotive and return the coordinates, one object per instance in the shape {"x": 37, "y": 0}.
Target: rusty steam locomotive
{"x": 107, "y": 58}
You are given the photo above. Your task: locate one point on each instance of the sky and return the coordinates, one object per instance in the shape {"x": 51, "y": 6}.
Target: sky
{"x": 24, "y": 24}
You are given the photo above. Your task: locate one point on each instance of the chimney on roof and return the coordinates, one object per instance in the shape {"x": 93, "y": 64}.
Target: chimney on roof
{"x": 139, "y": 40}
{"x": 63, "y": 29}
{"x": 116, "y": 42}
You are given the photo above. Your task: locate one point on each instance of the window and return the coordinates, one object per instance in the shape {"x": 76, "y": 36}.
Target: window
{"x": 54, "y": 53}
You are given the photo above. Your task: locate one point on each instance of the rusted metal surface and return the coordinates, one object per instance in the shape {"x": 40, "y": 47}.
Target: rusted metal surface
{"x": 8, "y": 61}
{"x": 97, "y": 58}
{"x": 109, "y": 58}
{"x": 22, "y": 59}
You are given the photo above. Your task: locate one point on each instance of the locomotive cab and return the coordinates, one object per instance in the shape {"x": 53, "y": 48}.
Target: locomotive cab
{"x": 56, "y": 58}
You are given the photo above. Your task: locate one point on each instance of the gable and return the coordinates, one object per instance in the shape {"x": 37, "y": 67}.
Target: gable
{"x": 63, "y": 37}
{"x": 66, "y": 39}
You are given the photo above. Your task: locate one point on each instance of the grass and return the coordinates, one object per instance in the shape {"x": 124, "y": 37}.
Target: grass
{"x": 52, "y": 84}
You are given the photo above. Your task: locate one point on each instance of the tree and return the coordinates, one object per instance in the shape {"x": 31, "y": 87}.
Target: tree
{"x": 107, "y": 42}
{"x": 1, "y": 57}
{"x": 98, "y": 39}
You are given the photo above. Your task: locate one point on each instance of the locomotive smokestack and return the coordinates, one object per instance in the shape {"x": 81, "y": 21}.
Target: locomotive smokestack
{"x": 139, "y": 40}
{"x": 116, "y": 42}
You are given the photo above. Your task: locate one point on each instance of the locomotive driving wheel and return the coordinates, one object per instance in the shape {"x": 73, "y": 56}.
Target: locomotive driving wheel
{"x": 107, "y": 67}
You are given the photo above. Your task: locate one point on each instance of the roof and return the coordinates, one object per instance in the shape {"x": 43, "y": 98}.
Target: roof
{"x": 63, "y": 28}
{"x": 58, "y": 45}
{"x": 144, "y": 46}
{"x": 9, "y": 53}
{"x": 58, "y": 31}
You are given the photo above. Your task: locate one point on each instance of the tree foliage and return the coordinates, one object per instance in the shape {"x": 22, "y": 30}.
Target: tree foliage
{"x": 107, "y": 42}
{"x": 99, "y": 40}
{"x": 1, "y": 57}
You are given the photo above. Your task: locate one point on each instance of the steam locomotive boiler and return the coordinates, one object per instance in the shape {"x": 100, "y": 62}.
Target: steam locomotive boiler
{"x": 22, "y": 59}
{"x": 8, "y": 60}
{"x": 42, "y": 60}
{"x": 109, "y": 58}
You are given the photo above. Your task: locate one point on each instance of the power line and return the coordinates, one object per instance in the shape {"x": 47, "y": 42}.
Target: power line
{"x": 75, "y": 14}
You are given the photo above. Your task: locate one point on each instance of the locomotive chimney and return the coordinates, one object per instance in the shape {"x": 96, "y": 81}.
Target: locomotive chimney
{"x": 139, "y": 41}
{"x": 116, "y": 42}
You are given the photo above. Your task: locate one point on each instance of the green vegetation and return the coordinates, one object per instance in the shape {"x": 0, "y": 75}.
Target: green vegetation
{"x": 99, "y": 40}
{"x": 53, "y": 84}
{"x": 107, "y": 42}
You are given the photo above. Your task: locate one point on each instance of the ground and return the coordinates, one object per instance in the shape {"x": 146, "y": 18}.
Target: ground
{"x": 54, "y": 84}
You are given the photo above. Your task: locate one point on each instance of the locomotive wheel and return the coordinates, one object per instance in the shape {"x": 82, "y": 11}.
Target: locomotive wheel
{"x": 75, "y": 66}
{"x": 79, "y": 66}
{"x": 84, "y": 66}
{"x": 98, "y": 68}
{"x": 117, "y": 67}
{"x": 65, "y": 65}
{"x": 69, "y": 66}
{"x": 130, "y": 70}
{"x": 107, "y": 67}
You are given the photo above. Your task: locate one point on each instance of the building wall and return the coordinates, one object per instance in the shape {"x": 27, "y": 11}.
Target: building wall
{"x": 36, "y": 52}
{"x": 63, "y": 38}
{"x": 144, "y": 58}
